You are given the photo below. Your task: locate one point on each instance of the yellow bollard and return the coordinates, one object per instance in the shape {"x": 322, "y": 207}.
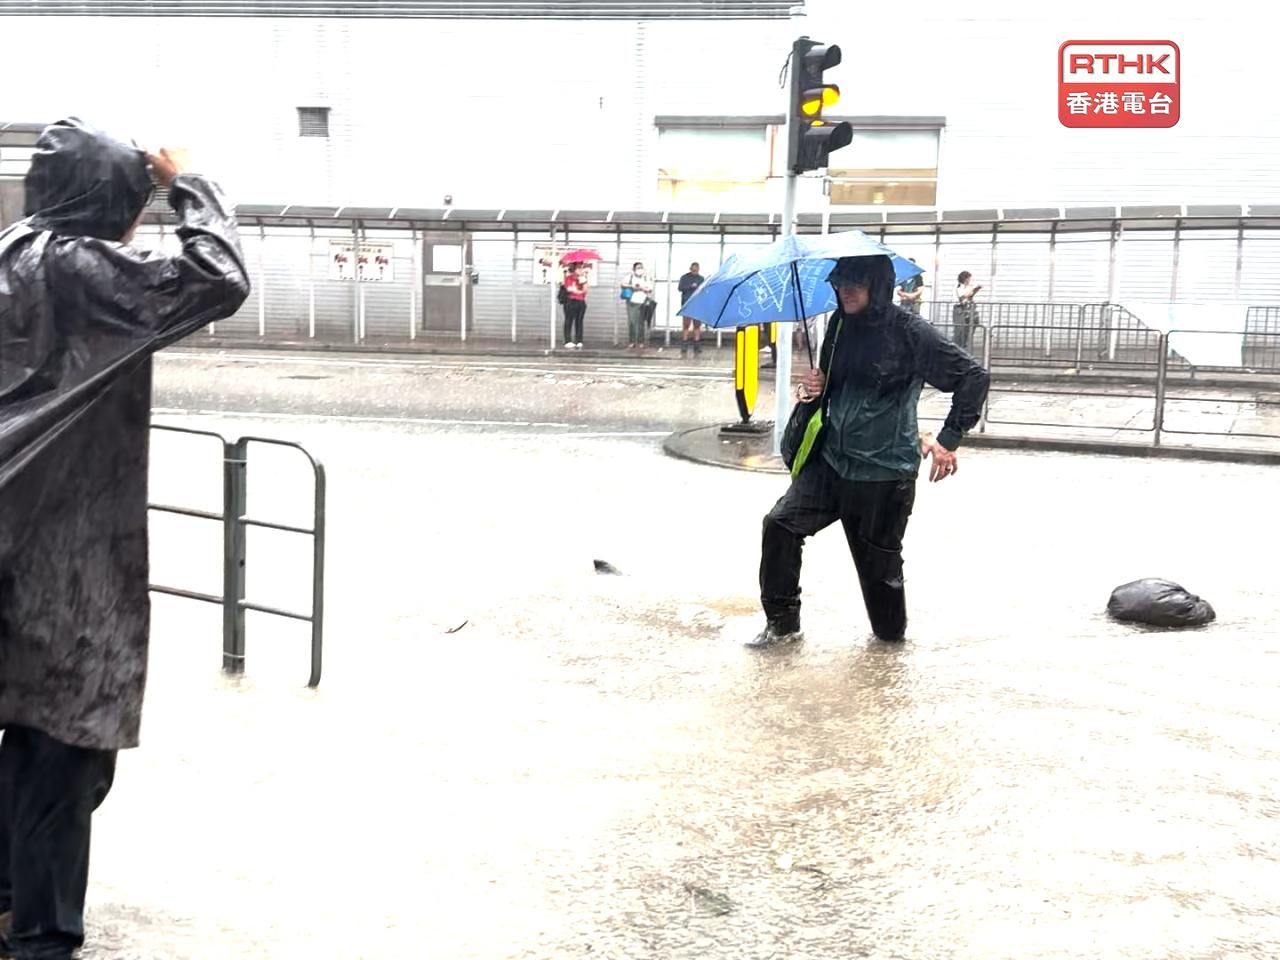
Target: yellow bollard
{"x": 746, "y": 369}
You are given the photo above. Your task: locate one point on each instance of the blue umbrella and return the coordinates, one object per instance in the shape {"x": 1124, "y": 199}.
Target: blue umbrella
{"x": 785, "y": 281}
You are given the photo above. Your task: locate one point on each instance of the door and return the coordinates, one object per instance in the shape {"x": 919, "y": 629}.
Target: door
{"x": 446, "y": 297}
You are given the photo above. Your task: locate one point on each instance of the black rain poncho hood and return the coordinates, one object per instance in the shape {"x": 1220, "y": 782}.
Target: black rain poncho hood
{"x": 80, "y": 316}
{"x": 84, "y": 183}
{"x": 876, "y": 272}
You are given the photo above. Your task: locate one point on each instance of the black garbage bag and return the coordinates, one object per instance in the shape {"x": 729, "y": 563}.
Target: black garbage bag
{"x": 1159, "y": 603}
{"x": 81, "y": 313}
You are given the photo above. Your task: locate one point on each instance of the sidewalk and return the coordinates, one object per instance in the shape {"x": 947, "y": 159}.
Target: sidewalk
{"x": 658, "y": 352}
{"x": 1199, "y": 423}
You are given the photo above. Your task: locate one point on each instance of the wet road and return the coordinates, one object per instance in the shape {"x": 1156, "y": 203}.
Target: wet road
{"x": 563, "y": 393}
{"x": 593, "y": 766}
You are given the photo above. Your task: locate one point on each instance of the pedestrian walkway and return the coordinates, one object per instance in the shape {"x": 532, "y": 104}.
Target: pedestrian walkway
{"x": 1241, "y": 425}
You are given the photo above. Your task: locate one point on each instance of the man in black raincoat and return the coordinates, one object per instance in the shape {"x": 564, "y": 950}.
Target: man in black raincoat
{"x": 862, "y": 470}
{"x": 81, "y": 313}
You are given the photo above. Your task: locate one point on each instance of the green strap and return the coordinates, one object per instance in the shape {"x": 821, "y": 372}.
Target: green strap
{"x": 814, "y": 427}
{"x": 811, "y": 431}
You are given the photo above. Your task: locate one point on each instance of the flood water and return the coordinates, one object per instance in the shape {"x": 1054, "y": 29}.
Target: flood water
{"x": 593, "y": 766}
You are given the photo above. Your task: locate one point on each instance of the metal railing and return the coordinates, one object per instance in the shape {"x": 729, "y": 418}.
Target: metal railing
{"x": 235, "y": 523}
{"x": 1100, "y": 337}
{"x": 1177, "y": 405}
{"x": 1064, "y": 335}
{"x": 1261, "y": 347}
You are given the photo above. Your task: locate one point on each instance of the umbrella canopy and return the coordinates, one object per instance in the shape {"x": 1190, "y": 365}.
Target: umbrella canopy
{"x": 579, "y": 256}
{"x": 785, "y": 281}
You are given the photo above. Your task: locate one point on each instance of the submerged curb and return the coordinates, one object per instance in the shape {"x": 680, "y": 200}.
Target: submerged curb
{"x": 702, "y": 445}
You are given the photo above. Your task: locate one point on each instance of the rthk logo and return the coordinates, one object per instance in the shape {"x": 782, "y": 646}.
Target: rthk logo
{"x": 1118, "y": 83}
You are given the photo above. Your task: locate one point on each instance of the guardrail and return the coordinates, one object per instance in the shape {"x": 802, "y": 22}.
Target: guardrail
{"x": 1177, "y": 406}
{"x": 234, "y": 560}
{"x": 1099, "y": 337}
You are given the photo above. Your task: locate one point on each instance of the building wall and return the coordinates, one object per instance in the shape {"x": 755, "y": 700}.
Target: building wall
{"x": 552, "y": 114}
{"x": 991, "y": 69}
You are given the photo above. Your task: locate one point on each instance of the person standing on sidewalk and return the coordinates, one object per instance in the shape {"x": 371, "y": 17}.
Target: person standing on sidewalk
{"x": 862, "y": 470}
{"x": 81, "y": 312}
{"x": 911, "y": 292}
{"x": 688, "y": 286}
{"x": 575, "y": 306}
{"x": 964, "y": 315}
{"x": 641, "y": 288}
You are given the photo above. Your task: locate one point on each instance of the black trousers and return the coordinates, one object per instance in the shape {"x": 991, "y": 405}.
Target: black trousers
{"x": 574, "y": 312}
{"x": 48, "y": 792}
{"x": 874, "y": 516}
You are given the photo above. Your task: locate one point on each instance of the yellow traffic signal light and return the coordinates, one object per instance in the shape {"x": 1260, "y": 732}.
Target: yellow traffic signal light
{"x": 815, "y": 101}
{"x": 811, "y": 138}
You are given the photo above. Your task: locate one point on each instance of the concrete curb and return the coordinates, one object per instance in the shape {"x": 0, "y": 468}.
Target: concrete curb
{"x": 701, "y": 444}
{"x": 430, "y": 349}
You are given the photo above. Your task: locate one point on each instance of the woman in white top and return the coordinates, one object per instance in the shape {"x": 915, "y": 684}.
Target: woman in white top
{"x": 641, "y": 288}
{"x": 964, "y": 315}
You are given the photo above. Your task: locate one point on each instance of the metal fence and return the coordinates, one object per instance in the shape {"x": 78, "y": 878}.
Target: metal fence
{"x": 1059, "y": 335}
{"x": 235, "y": 523}
{"x": 1102, "y": 337}
{"x": 1261, "y": 344}
{"x": 1146, "y": 410}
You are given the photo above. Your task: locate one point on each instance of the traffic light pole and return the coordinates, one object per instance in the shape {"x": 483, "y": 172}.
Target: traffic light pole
{"x": 810, "y": 140}
{"x": 782, "y": 370}
{"x": 782, "y": 381}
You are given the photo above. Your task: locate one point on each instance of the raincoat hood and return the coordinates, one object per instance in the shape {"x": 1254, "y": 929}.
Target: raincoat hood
{"x": 83, "y": 183}
{"x": 877, "y": 272}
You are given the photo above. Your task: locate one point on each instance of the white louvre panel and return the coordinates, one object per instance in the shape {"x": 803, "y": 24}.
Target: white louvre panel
{"x": 1207, "y": 265}
{"x": 442, "y": 9}
{"x": 1145, "y": 270}
{"x": 1081, "y": 267}
{"x": 1022, "y": 269}
{"x": 1260, "y": 273}
{"x": 385, "y": 306}
{"x": 491, "y": 297}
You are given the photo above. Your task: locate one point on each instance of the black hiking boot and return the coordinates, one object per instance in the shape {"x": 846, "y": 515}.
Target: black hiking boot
{"x": 776, "y": 635}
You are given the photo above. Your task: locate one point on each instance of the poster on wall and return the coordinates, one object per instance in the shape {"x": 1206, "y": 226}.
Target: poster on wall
{"x": 547, "y": 269}
{"x": 373, "y": 264}
{"x": 546, "y": 263}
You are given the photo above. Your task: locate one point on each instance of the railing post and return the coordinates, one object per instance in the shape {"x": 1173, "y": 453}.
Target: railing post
{"x": 1162, "y": 370}
{"x": 1080, "y": 308}
{"x": 986, "y": 362}
{"x": 234, "y": 475}
{"x": 317, "y": 578}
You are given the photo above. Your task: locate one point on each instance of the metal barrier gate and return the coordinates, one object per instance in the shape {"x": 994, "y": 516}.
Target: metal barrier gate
{"x": 234, "y": 525}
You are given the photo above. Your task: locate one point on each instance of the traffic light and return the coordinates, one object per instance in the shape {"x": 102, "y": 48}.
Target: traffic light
{"x": 811, "y": 137}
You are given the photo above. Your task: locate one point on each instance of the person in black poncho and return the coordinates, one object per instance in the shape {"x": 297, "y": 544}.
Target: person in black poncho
{"x": 81, "y": 313}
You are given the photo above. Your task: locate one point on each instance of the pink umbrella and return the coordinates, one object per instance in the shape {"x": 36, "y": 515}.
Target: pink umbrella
{"x": 579, "y": 256}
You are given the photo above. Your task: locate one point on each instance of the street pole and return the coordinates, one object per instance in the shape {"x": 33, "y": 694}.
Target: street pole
{"x": 782, "y": 372}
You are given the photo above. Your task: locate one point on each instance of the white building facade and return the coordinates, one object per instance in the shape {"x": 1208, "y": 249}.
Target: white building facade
{"x": 578, "y": 106}
{"x": 620, "y": 114}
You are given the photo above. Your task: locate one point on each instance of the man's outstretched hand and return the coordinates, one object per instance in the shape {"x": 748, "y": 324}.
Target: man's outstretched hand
{"x": 945, "y": 462}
